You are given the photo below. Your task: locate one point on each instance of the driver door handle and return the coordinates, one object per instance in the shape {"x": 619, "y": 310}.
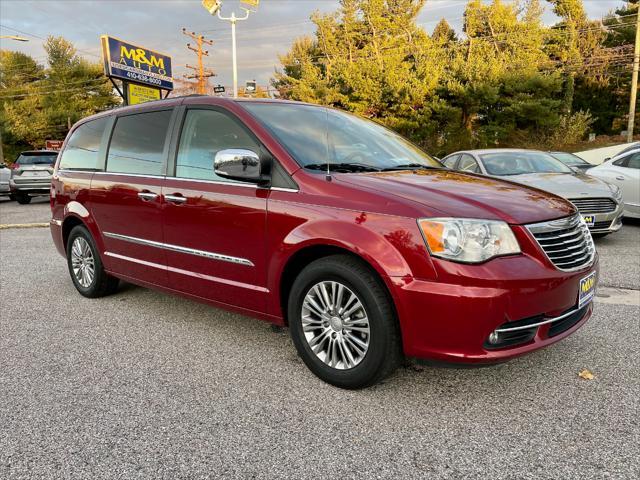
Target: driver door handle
{"x": 176, "y": 198}
{"x": 619, "y": 177}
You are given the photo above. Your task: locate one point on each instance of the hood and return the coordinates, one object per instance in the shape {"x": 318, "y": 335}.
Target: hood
{"x": 577, "y": 185}
{"x": 452, "y": 194}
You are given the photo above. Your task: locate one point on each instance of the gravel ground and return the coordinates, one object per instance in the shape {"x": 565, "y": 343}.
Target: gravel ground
{"x": 145, "y": 385}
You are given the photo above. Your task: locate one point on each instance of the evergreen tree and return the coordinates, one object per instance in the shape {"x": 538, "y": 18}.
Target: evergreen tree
{"x": 47, "y": 100}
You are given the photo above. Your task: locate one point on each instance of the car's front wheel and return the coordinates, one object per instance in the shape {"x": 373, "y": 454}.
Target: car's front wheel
{"x": 85, "y": 266}
{"x": 342, "y": 322}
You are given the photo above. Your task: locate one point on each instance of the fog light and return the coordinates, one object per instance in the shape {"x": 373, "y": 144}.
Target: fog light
{"x": 494, "y": 338}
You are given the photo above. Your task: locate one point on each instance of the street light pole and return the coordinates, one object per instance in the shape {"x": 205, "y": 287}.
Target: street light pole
{"x": 634, "y": 83}
{"x": 233, "y": 20}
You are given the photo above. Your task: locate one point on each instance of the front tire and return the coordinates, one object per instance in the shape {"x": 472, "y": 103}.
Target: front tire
{"x": 85, "y": 266}
{"x": 343, "y": 324}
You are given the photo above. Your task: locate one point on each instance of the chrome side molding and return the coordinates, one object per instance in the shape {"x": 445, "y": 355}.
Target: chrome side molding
{"x": 177, "y": 248}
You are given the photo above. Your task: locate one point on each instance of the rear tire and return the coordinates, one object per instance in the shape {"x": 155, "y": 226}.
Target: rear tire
{"x": 85, "y": 266}
{"x": 344, "y": 344}
{"x": 23, "y": 199}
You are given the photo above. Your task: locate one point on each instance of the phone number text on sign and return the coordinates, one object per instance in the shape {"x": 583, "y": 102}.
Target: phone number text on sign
{"x": 144, "y": 78}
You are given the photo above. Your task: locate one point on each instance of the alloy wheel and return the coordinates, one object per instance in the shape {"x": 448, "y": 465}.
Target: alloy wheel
{"x": 82, "y": 262}
{"x": 335, "y": 325}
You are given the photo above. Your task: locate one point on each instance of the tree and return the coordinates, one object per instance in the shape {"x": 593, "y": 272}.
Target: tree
{"x": 49, "y": 99}
{"x": 444, "y": 33}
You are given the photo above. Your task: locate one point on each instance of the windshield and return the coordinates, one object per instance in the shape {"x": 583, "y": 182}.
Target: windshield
{"x": 569, "y": 158}
{"x": 518, "y": 163}
{"x": 37, "y": 158}
{"x": 315, "y": 136}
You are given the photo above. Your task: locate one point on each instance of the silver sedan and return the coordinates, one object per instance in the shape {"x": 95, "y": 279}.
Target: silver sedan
{"x": 599, "y": 202}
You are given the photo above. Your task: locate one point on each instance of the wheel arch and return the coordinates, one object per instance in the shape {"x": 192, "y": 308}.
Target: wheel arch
{"x": 310, "y": 253}
{"x": 75, "y": 213}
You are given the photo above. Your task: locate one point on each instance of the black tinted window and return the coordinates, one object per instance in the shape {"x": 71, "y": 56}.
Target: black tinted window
{"x": 205, "y": 133}
{"x": 634, "y": 161}
{"x": 81, "y": 152}
{"x": 137, "y": 143}
{"x": 37, "y": 158}
{"x": 622, "y": 162}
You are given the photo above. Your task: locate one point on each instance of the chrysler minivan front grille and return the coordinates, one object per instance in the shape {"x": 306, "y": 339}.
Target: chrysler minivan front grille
{"x": 566, "y": 242}
{"x": 594, "y": 205}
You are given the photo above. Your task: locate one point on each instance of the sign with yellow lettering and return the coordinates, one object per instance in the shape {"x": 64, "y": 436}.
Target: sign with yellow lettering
{"x": 132, "y": 63}
{"x": 141, "y": 93}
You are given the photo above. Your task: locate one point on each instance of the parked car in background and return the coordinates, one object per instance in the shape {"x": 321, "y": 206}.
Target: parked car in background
{"x": 623, "y": 171}
{"x": 31, "y": 174}
{"x": 5, "y": 175}
{"x": 571, "y": 160}
{"x": 599, "y": 202}
{"x": 306, "y": 216}
{"x": 597, "y": 156}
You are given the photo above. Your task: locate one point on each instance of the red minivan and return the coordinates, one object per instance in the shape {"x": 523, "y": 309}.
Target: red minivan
{"x": 364, "y": 246}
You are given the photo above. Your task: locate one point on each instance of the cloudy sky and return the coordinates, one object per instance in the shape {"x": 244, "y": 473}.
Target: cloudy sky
{"x": 157, "y": 24}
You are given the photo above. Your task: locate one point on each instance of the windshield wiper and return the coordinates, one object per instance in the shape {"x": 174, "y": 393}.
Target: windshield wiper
{"x": 343, "y": 167}
{"x": 411, "y": 166}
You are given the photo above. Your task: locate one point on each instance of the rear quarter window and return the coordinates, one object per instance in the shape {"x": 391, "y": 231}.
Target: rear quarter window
{"x": 81, "y": 152}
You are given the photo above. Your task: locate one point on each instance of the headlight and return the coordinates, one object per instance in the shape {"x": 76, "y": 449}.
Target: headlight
{"x": 468, "y": 240}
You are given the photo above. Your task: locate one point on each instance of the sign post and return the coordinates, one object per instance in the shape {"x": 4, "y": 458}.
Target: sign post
{"x": 144, "y": 73}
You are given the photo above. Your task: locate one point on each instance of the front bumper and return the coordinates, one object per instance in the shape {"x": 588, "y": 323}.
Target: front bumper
{"x": 606, "y": 222}
{"x": 450, "y": 319}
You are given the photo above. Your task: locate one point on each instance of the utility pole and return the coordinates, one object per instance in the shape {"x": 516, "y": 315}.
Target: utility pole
{"x": 201, "y": 73}
{"x": 634, "y": 82}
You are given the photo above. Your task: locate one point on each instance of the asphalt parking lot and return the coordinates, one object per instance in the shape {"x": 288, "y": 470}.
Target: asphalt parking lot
{"x": 145, "y": 385}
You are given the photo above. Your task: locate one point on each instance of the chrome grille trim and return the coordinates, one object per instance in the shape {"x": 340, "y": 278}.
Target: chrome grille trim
{"x": 566, "y": 242}
{"x": 594, "y": 205}
{"x": 543, "y": 322}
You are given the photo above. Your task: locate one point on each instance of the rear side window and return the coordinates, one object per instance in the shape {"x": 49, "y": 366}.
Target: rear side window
{"x": 81, "y": 152}
{"x": 137, "y": 143}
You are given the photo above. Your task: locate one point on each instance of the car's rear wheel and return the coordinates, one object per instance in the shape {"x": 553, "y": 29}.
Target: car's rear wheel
{"x": 85, "y": 266}
{"x": 342, "y": 322}
{"x": 23, "y": 199}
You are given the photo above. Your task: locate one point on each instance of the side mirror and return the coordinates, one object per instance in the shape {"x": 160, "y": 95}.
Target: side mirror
{"x": 239, "y": 164}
